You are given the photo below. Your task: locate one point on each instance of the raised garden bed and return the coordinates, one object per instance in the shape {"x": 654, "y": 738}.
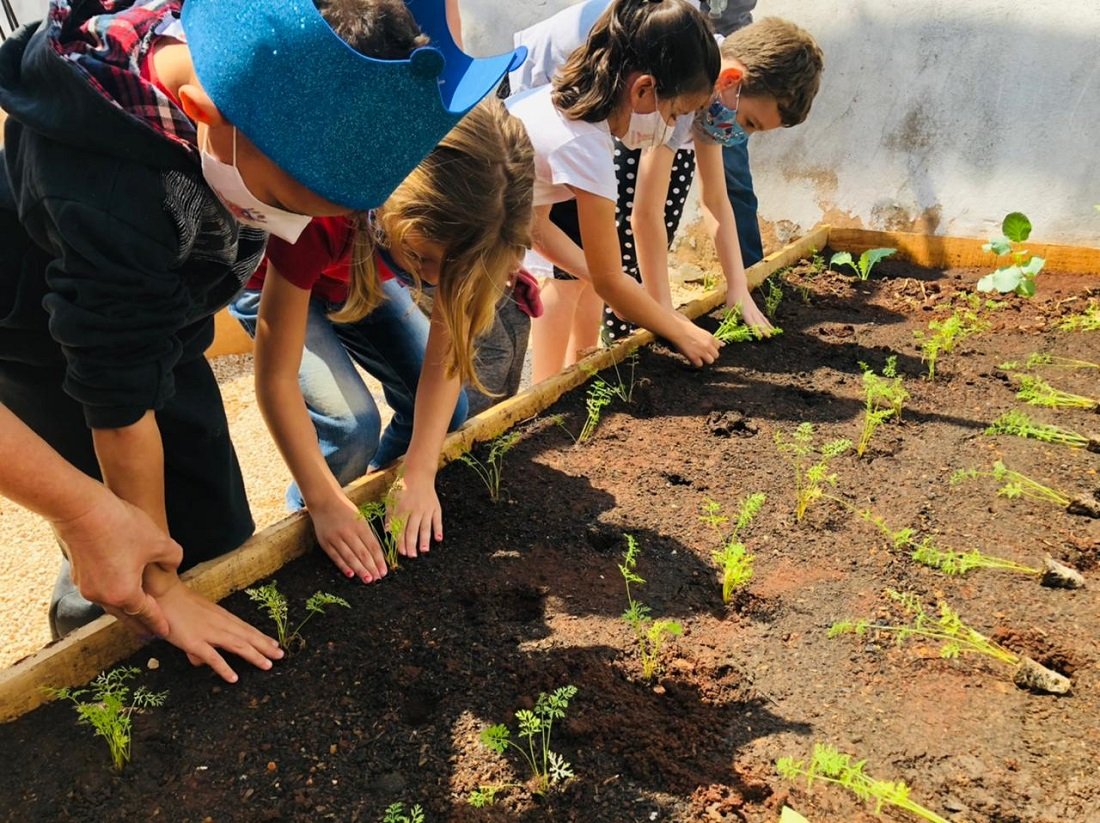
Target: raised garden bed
{"x": 387, "y": 700}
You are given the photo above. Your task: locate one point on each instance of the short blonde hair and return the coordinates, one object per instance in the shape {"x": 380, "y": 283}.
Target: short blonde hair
{"x": 472, "y": 195}
{"x": 782, "y": 61}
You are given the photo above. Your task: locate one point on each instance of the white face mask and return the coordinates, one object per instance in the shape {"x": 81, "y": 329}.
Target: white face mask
{"x": 228, "y": 185}
{"x": 646, "y": 131}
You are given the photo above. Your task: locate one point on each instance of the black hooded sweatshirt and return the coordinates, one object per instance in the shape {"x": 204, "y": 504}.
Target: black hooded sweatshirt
{"x": 114, "y": 253}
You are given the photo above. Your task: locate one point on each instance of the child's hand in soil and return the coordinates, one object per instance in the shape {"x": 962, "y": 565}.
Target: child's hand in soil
{"x": 750, "y": 313}
{"x": 200, "y": 628}
{"x": 696, "y": 344}
{"x": 347, "y": 538}
{"x": 413, "y": 501}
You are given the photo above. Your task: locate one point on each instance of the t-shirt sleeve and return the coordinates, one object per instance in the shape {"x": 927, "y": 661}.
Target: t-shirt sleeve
{"x": 585, "y": 163}
{"x": 323, "y": 243}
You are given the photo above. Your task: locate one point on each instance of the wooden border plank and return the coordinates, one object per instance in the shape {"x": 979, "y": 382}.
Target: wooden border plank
{"x": 959, "y": 252}
{"x": 79, "y": 657}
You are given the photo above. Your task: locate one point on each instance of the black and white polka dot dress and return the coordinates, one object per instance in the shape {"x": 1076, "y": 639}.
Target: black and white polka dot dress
{"x": 626, "y": 169}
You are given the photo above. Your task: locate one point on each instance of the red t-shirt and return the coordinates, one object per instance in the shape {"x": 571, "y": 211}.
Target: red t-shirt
{"x": 320, "y": 261}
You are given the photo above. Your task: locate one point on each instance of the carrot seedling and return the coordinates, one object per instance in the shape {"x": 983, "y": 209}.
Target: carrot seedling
{"x": 867, "y": 261}
{"x": 942, "y": 336}
{"x": 1037, "y": 392}
{"x": 492, "y": 469}
{"x": 733, "y": 559}
{"x": 650, "y": 634}
{"x": 884, "y": 398}
{"x": 829, "y": 765}
{"x": 1019, "y": 424}
{"x": 810, "y": 478}
{"x": 956, "y": 638}
{"x": 773, "y": 297}
{"x": 395, "y": 813}
{"x": 601, "y": 394}
{"x": 1037, "y": 360}
{"x": 108, "y": 706}
{"x": 273, "y": 601}
{"x": 732, "y": 329}
{"x": 1019, "y": 275}
{"x": 1019, "y": 486}
{"x": 1087, "y": 320}
{"x": 548, "y": 768}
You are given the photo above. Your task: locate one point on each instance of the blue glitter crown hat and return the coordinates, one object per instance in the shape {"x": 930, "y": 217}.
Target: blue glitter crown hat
{"x": 348, "y": 127}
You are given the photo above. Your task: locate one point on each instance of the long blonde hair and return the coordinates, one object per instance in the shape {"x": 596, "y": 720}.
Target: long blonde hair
{"x": 473, "y": 195}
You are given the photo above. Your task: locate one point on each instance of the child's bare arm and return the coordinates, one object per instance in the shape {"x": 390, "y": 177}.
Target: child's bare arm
{"x": 416, "y": 503}
{"x": 556, "y": 246}
{"x": 718, "y": 213}
{"x": 280, "y": 338}
{"x": 626, "y": 296}
{"x": 647, "y": 221}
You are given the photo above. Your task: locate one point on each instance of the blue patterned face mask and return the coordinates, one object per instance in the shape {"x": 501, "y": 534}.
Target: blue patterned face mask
{"x": 719, "y": 122}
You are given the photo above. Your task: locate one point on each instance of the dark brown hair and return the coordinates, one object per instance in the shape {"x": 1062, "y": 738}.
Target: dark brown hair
{"x": 782, "y": 61}
{"x": 668, "y": 39}
{"x": 377, "y": 28}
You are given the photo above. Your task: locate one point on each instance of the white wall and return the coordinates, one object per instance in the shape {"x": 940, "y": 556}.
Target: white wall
{"x": 27, "y": 10}
{"x": 936, "y": 116}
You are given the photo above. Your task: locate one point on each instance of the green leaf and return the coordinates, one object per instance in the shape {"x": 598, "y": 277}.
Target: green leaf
{"x": 998, "y": 245}
{"x": 495, "y": 738}
{"x": 1034, "y": 266}
{"x": 1016, "y": 226}
{"x": 869, "y": 258}
{"x": 1005, "y": 280}
{"x": 843, "y": 258}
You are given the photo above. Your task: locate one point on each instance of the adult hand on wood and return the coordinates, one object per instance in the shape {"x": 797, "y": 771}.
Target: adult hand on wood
{"x": 200, "y": 628}
{"x": 109, "y": 547}
{"x": 347, "y": 538}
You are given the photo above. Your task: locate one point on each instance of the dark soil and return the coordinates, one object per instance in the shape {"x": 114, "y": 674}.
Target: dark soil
{"x": 387, "y": 700}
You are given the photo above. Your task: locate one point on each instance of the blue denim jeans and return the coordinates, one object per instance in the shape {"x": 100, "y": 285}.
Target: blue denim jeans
{"x": 389, "y": 345}
{"x": 735, "y": 159}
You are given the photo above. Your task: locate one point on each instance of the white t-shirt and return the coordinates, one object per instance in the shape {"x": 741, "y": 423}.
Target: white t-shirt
{"x": 549, "y": 44}
{"x": 567, "y": 152}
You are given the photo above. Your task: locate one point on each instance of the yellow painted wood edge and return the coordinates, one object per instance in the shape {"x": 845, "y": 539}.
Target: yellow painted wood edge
{"x": 960, "y": 252}
{"x": 82, "y": 655}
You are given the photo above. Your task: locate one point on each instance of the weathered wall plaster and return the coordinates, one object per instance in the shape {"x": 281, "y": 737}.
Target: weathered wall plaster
{"x": 935, "y": 117}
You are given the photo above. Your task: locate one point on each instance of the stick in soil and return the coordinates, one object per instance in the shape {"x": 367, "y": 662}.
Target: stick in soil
{"x": 956, "y": 639}
{"x": 1020, "y": 425}
{"x": 1020, "y": 486}
{"x": 829, "y": 765}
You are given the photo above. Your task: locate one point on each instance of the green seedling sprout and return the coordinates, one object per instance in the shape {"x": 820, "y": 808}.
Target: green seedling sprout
{"x": 1037, "y": 392}
{"x": 395, "y": 813}
{"x": 601, "y": 394}
{"x": 492, "y": 469}
{"x": 733, "y": 559}
{"x": 867, "y": 261}
{"x": 774, "y": 296}
{"x": 943, "y": 336}
{"x": 1019, "y": 275}
{"x": 1019, "y": 424}
{"x": 272, "y": 601}
{"x": 817, "y": 260}
{"x": 956, "y": 638}
{"x": 1037, "y": 360}
{"x": 649, "y": 633}
{"x": 387, "y": 532}
{"x": 829, "y": 765}
{"x": 950, "y": 562}
{"x": 810, "y": 479}
{"x": 548, "y": 768}
{"x": 733, "y": 330}
{"x": 1087, "y": 320}
{"x": 884, "y": 398}
{"x": 710, "y": 282}
{"x": 108, "y": 706}
{"x": 1016, "y": 486}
